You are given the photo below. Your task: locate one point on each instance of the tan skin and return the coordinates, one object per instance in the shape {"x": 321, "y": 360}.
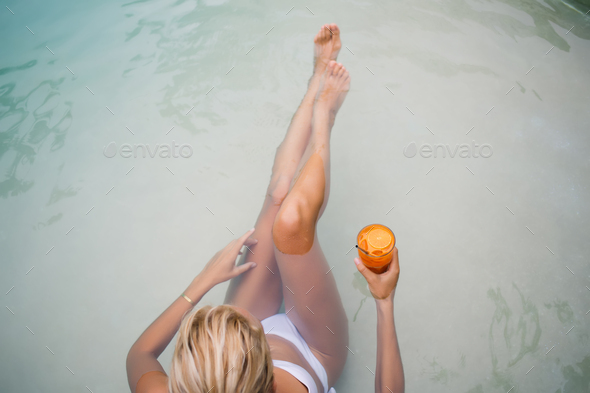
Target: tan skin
{"x": 286, "y": 211}
{"x": 258, "y": 292}
{"x": 389, "y": 373}
{"x": 219, "y": 269}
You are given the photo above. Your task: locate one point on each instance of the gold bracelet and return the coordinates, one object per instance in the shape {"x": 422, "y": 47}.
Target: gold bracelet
{"x": 188, "y": 299}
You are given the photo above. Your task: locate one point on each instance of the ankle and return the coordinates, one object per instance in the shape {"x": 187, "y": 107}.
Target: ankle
{"x": 325, "y": 107}
{"x": 314, "y": 81}
{"x": 324, "y": 115}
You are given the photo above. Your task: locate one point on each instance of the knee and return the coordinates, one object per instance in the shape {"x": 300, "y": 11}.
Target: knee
{"x": 288, "y": 222}
{"x": 292, "y": 232}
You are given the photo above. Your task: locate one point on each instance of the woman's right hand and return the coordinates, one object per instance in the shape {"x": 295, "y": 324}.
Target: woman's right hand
{"x": 382, "y": 286}
{"x": 222, "y": 266}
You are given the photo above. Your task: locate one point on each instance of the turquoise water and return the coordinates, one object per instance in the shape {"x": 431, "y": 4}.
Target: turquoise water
{"x": 493, "y": 250}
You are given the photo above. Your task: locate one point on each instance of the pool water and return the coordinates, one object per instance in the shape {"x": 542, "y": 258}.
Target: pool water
{"x": 96, "y": 239}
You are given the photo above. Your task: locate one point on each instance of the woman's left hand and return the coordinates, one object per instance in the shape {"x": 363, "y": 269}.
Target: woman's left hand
{"x": 222, "y": 266}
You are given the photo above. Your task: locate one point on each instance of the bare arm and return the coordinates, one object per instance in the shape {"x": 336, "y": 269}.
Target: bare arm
{"x": 389, "y": 374}
{"x": 143, "y": 355}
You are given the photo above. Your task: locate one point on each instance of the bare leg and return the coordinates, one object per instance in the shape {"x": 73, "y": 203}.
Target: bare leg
{"x": 260, "y": 290}
{"x": 312, "y": 299}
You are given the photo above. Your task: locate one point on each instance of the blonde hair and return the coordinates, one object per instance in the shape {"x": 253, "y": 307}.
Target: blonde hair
{"x": 220, "y": 351}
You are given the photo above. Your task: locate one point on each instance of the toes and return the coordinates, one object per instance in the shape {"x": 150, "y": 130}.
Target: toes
{"x": 318, "y": 37}
{"x": 326, "y": 33}
{"x": 333, "y": 28}
{"x": 337, "y": 68}
{"x": 331, "y": 70}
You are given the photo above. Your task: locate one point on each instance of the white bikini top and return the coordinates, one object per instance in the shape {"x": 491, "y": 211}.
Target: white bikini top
{"x": 298, "y": 372}
{"x": 280, "y": 325}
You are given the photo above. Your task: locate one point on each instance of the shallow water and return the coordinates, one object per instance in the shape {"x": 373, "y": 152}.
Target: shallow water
{"x": 493, "y": 251}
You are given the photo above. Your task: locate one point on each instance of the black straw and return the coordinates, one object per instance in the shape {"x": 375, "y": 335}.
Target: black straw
{"x": 357, "y": 246}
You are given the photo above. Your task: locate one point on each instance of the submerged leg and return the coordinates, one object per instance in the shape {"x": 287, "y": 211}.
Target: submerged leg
{"x": 260, "y": 290}
{"x": 312, "y": 299}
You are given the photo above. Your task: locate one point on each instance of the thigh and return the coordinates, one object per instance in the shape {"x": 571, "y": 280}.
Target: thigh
{"x": 313, "y": 304}
{"x": 259, "y": 290}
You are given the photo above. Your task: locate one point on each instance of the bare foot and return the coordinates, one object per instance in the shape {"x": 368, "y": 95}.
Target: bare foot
{"x": 327, "y": 45}
{"x": 333, "y": 89}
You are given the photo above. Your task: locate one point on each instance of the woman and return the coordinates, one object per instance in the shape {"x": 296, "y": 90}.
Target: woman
{"x": 245, "y": 346}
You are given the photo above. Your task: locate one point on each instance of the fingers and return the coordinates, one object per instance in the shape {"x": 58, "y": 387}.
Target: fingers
{"x": 236, "y": 244}
{"x": 245, "y": 236}
{"x": 229, "y": 246}
{"x": 394, "y": 265}
{"x": 362, "y": 268}
{"x": 250, "y": 242}
{"x": 244, "y": 268}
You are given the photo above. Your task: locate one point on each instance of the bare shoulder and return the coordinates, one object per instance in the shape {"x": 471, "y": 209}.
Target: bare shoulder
{"x": 152, "y": 382}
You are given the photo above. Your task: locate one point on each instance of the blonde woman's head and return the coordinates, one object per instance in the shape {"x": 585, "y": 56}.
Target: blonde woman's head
{"x": 220, "y": 350}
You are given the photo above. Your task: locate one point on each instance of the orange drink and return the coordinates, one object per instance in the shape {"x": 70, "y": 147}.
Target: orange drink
{"x": 375, "y": 244}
